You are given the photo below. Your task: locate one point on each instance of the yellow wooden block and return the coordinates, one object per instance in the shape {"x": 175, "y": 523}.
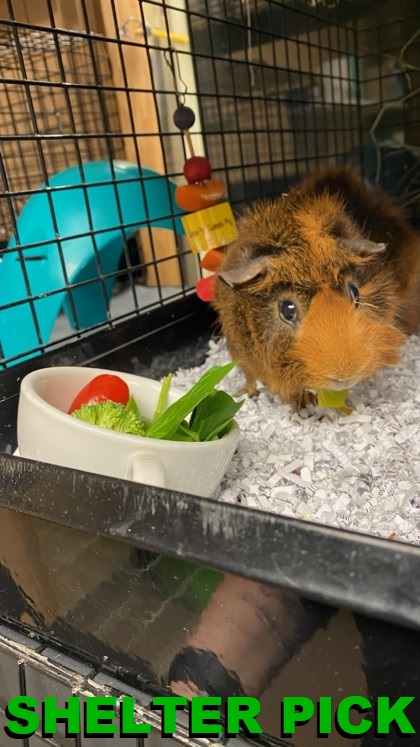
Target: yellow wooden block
{"x": 210, "y": 228}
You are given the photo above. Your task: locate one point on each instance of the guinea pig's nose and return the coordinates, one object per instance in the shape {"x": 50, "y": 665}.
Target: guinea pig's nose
{"x": 339, "y": 384}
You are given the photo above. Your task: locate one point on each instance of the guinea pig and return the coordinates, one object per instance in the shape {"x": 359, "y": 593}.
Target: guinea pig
{"x": 321, "y": 287}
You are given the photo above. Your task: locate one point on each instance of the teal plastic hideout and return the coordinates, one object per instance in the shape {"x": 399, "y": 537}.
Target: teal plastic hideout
{"x": 71, "y": 236}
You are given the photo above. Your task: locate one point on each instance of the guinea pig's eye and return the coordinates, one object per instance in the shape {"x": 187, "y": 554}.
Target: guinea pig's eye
{"x": 354, "y": 294}
{"x": 288, "y": 312}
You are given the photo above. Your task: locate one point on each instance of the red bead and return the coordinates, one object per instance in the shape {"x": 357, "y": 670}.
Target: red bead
{"x": 183, "y": 117}
{"x": 205, "y": 288}
{"x": 197, "y": 169}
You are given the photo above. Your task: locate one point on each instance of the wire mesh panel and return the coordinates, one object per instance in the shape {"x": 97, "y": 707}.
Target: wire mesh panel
{"x": 83, "y": 98}
{"x": 91, "y": 157}
{"x": 278, "y": 85}
{"x": 45, "y": 110}
{"x": 389, "y": 54}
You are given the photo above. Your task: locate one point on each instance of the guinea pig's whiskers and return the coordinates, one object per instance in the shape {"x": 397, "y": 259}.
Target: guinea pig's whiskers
{"x": 371, "y": 305}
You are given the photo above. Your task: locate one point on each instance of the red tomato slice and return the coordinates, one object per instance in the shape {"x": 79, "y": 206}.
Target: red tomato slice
{"x": 99, "y": 389}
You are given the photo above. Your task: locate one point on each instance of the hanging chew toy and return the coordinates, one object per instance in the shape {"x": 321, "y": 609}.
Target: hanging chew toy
{"x": 210, "y": 225}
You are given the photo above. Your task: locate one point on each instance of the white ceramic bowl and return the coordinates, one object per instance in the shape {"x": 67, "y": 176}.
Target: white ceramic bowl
{"x": 48, "y": 434}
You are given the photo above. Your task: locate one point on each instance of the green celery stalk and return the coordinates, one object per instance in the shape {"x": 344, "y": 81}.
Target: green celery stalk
{"x": 163, "y": 397}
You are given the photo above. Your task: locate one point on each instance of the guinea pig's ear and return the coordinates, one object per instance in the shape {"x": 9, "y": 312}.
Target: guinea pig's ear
{"x": 243, "y": 269}
{"x": 343, "y": 231}
{"x": 363, "y": 246}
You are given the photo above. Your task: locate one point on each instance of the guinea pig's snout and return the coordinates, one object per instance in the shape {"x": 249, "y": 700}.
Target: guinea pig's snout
{"x": 340, "y": 345}
{"x": 338, "y": 385}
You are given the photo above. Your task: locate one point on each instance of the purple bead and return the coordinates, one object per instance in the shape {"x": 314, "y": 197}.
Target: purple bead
{"x": 183, "y": 117}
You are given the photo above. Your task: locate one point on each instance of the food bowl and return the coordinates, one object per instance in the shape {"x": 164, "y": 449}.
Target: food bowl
{"x": 47, "y": 433}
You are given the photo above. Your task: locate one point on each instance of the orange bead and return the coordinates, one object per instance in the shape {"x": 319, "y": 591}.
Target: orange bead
{"x": 192, "y": 197}
{"x": 212, "y": 259}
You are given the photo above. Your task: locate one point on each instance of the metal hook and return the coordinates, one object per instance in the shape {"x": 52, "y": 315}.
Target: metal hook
{"x": 168, "y": 57}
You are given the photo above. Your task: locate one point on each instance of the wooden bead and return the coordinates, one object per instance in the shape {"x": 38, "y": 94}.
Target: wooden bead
{"x": 212, "y": 260}
{"x": 183, "y": 117}
{"x": 192, "y": 197}
{"x": 197, "y": 169}
{"x": 205, "y": 288}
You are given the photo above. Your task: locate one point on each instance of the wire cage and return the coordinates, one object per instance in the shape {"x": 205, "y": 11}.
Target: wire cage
{"x": 95, "y": 270}
{"x": 279, "y": 89}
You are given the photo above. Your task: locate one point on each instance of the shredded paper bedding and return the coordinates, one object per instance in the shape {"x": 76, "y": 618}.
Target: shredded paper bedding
{"x": 359, "y": 472}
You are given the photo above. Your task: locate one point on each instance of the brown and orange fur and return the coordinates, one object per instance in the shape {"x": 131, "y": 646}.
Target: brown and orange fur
{"x": 307, "y": 247}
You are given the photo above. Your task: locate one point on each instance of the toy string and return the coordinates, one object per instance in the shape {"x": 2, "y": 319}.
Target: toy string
{"x": 170, "y": 54}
